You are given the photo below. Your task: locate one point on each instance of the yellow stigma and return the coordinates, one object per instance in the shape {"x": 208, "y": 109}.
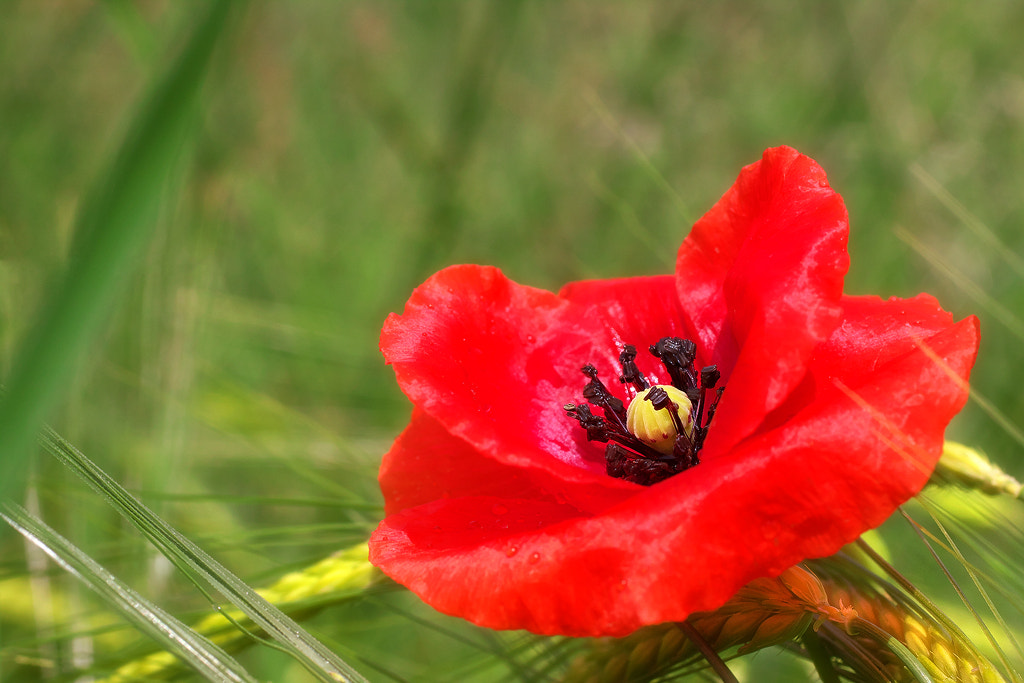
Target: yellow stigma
{"x": 655, "y": 427}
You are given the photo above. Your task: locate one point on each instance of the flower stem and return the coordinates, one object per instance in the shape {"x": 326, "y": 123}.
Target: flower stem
{"x": 819, "y": 657}
{"x": 709, "y": 653}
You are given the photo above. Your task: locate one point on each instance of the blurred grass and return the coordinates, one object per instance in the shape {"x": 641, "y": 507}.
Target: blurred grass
{"x": 347, "y": 151}
{"x": 112, "y": 228}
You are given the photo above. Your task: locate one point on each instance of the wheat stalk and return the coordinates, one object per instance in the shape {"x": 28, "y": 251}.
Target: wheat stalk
{"x": 343, "y": 573}
{"x": 865, "y": 633}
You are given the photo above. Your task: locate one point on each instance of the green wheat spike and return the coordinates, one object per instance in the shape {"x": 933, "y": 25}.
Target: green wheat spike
{"x": 347, "y": 572}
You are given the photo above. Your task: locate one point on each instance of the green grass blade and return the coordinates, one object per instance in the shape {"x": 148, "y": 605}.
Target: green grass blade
{"x": 205, "y": 657}
{"x": 113, "y": 227}
{"x": 344, "y": 576}
{"x": 186, "y": 555}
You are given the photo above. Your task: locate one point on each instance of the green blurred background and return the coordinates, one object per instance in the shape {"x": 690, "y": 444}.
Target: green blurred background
{"x": 345, "y": 151}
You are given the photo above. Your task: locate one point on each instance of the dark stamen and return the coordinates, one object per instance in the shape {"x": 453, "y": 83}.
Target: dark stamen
{"x": 677, "y": 355}
{"x": 597, "y": 428}
{"x": 626, "y": 456}
{"x": 597, "y": 393}
{"x": 711, "y": 414}
{"x": 615, "y": 457}
{"x": 625, "y": 465}
{"x": 685, "y": 452}
{"x": 630, "y": 372}
{"x": 709, "y": 376}
{"x": 660, "y": 400}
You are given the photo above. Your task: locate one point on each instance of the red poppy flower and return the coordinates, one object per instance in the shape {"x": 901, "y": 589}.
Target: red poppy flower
{"x": 500, "y": 511}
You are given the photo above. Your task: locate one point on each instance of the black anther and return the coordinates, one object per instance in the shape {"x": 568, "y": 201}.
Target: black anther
{"x": 677, "y": 355}
{"x": 597, "y": 393}
{"x": 630, "y": 372}
{"x": 597, "y": 428}
{"x": 709, "y": 376}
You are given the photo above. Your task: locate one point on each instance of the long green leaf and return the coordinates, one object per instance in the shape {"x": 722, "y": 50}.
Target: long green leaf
{"x": 307, "y": 650}
{"x": 111, "y": 231}
{"x": 197, "y": 651}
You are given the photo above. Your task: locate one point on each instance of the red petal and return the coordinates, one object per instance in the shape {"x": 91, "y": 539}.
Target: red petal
{"x": 637, "y": 311}
{"x": 687, "y": 544}
{"x": 760, "y": 277}
{"x": 872, "y": 334}
{"x": 494, "y": 361}
{"x": 427, "y": 463}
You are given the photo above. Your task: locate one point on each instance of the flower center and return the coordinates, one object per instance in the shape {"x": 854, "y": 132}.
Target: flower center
{"x": 658, "y": 428}
{"x": 663, "y": 430}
